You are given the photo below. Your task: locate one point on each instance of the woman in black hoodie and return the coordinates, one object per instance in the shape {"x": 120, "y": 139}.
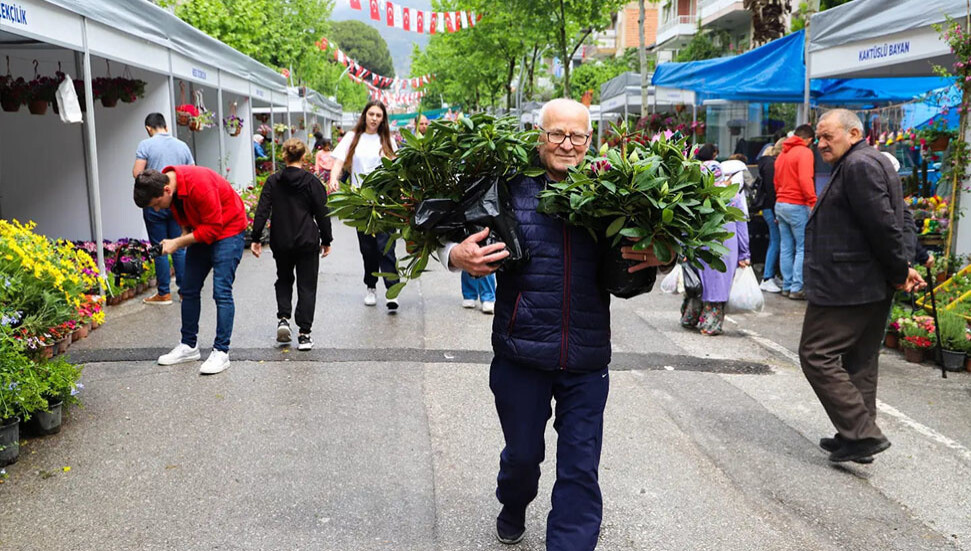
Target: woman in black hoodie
{"x": 295, "y": 202}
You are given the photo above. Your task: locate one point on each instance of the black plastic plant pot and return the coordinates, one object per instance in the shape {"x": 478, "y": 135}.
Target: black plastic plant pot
{"x": 47, "y": 422}
{"x": 615, "y": 278}
{"x": 953, "y": 360}
{"x": 9, "y": 441}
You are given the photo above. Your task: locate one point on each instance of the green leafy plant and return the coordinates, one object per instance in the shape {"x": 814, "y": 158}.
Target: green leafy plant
{"x": 651, "y": 192}
{"x": 441, "y": 164}
{"x": 22, "y": 389}
{"x": 953, "y": 329}
{"x": 61, "y": 380}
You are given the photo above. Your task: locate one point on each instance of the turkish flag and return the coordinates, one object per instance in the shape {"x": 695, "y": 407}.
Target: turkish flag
{"x": 421, "y": 22}
{"x": 406, "y": 18}
{"x": 375, "y": 10}
{"x": 433, "y": 26}
{"x": 389, "y": 11}
{"x": 355, "y": 4}
{"x": 448, "y": 22}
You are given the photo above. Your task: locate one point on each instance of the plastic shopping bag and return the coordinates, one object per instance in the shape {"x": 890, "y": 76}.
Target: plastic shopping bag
{"x": 745, "y": 295}
{"x": 670, "y": 283}
{"x": 67, "y": 101}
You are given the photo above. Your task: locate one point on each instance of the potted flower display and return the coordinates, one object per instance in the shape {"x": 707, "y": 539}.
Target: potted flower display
{"x": 915, "y": 341}
{"x": 13, "y": 93}
{"x": 233, "y": 125}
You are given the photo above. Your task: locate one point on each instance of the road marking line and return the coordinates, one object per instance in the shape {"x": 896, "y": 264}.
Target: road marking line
{"x": 772, "y": 345}
{"x": 884, "y": 407}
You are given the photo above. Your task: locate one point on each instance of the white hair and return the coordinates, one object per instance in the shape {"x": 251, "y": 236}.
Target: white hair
{"x": 846, "y": 118}
{"x": 560, "y": 103}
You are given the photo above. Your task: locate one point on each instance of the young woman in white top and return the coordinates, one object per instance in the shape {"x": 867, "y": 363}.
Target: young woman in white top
{"x": 360, "y": 151}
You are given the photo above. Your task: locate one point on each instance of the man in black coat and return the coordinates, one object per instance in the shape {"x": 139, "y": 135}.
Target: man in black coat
{"x": 856, "y": 255}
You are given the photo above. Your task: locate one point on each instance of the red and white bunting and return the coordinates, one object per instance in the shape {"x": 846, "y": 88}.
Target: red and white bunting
{"x": 416, "y": 20}
{"x": 359, "y": 72}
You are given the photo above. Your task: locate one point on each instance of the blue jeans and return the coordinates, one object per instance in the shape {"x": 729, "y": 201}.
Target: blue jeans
{"x": 792, "y": 227}
{"x": 523, "y": 397}
{"x": 222, "y": 258}
{"x": 772, "y": 253}
{"x": 483, "y": 288}
{"x": 162, "y": 225}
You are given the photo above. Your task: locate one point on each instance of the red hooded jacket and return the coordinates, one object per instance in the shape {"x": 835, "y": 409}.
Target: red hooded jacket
{"x": 794, "y": 174}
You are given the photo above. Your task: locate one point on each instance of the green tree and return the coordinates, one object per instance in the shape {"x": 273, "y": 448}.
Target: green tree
{"x": 591, "y": 75}
{"x": 277, "y": 33}
{"x": 703, "y": 45}
{"x": 364, "y": 44}
{"x": 570, "y": 22}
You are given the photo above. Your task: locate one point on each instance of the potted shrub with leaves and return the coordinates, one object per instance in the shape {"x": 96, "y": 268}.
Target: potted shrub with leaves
{"x": 442, "y": 186}
{"x": 953, "y": 330}
{"x": 60, "y": 378}
{"x": 650, "y": 192}
{"x": 916, "y": 340}
{"x": 21, "y": 394}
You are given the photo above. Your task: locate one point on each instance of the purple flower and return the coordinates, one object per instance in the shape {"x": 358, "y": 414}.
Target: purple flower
{"x": 600, "y": 166}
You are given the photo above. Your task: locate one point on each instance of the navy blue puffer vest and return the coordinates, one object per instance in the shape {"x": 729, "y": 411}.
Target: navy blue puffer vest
{"x": 551, "y": 313}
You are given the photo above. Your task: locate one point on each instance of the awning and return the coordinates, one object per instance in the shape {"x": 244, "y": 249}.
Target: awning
{"x": 881, "y": 38}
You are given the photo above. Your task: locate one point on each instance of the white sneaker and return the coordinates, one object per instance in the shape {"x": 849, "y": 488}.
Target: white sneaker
{"x": 392, "y": 305}
{"x": 179, "y": 354}
{"x": 371, "y": 298}
{"x": 468, "y": 303}
{"x": 217, "y": 362}
{"x": 488, "y": 307}
{"x": 769, "y": 286}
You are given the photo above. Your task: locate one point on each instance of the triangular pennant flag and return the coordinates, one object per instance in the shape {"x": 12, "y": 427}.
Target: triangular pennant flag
{"x": 399, "y": 17}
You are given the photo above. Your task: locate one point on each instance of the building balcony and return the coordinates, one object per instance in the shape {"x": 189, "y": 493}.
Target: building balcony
{"x": 676, "y": 31}
{"x": 724, "y": 14}
{"x": 606, "y": 40}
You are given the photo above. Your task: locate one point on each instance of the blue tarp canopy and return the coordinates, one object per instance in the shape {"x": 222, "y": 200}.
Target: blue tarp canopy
{"x": 776, "y": 72}
{"x": 773, "y": 73}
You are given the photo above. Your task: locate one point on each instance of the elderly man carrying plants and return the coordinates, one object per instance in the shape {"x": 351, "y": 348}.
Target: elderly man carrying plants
{"x": 213, "y": 220}
{"x": 551, "y": 339}
{"x": 856, "y": 255}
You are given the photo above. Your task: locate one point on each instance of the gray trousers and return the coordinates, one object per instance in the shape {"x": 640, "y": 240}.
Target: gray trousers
{"x": 839, "y": 351}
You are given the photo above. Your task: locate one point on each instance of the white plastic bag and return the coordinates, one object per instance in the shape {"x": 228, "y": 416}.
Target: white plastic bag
{"x": 67, "y": 101}
{"x": 670, "y": 282}
{"x": 745, "y": 295}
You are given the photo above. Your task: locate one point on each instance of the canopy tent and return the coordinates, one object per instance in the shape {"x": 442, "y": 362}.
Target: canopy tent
{"x": 81, "y": 37}
{"x": 775, "y": 73}
{"x": 886, "y": 38}
{"x": 622, "y": 95}
{"x": 881, "y": 38}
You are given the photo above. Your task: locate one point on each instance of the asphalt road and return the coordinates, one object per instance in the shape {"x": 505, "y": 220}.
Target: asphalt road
{"x": 385, "y": 437}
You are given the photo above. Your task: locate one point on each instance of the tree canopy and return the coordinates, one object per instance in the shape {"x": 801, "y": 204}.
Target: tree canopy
{"x": 363, "y": 43}
{"x": 278, "y": 33}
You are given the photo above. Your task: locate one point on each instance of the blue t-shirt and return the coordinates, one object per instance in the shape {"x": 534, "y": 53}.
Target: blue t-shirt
{"x": 162, "y": 150}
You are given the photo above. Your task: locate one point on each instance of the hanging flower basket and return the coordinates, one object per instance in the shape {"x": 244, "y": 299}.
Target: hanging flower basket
{"x": 205, "y": 118}
{"x": 13, "y": 93}
{"x": 232, "y": 123}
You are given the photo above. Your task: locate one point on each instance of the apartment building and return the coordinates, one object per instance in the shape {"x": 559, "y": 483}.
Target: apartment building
{"x": 622, "y": 34}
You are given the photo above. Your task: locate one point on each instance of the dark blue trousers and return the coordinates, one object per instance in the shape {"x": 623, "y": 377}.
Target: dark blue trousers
{"x": 523, "y": 397}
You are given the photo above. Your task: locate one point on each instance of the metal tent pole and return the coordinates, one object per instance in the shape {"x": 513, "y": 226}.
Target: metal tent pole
{"x": 272, "y": 134}
{"x": 805, "y": 91}
{"x": 252, "y": 122}
{"x": 94, "y": 189}
{"x": 219, "y": 122}
{"x": 174, "y": 128}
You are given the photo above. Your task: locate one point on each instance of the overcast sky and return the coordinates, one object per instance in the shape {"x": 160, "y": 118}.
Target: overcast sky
{"x": 399, "y": 41}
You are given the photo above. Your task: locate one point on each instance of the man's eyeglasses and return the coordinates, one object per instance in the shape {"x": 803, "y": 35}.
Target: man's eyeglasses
{"x": 556, "y": 138}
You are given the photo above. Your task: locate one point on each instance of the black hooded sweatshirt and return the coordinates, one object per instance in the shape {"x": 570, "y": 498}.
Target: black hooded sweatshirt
{"x": 298, "y": 202}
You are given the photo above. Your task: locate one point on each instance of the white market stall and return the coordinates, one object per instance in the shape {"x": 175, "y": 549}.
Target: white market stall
{"x": 620, "y": 97}
{"x": 867, "y": 39}
{"x": 75, "y": 180}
